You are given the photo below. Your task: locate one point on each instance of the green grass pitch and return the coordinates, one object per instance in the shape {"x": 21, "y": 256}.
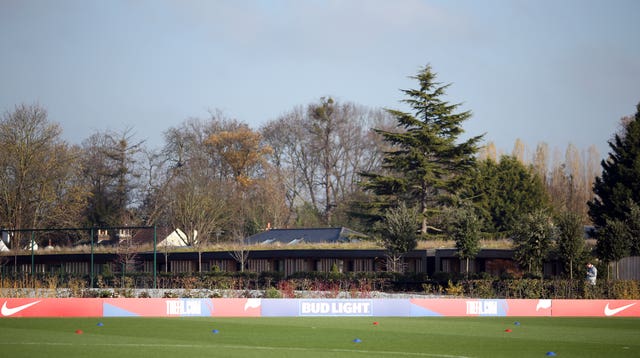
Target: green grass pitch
{"x": 319, "y": 337}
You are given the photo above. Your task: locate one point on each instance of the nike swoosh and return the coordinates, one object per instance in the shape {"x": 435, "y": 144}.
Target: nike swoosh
{"x": 6, "y": 311}
{"x": 610, "y": 312}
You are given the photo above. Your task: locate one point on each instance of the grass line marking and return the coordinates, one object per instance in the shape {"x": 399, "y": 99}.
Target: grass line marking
{"x": 231, "y": 346}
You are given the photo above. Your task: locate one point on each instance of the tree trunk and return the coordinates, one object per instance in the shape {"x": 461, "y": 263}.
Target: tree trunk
{"x": 571, "y": 270}
{"x": 166, "y": 261}
{"x": 467, "y": 268}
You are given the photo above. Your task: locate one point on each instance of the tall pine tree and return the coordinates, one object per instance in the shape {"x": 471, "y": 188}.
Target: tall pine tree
{"x": 427, "y": 164}
{"x": 617, "y": 191}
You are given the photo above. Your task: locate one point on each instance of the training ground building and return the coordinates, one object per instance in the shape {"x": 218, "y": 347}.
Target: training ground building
{"x": 273, "y": 251}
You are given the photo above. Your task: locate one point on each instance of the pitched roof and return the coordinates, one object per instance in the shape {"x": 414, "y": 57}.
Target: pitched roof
{"x": 309, "y": 235}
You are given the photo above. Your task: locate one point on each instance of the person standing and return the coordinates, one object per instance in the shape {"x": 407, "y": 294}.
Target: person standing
{"x": 592, "y": 273}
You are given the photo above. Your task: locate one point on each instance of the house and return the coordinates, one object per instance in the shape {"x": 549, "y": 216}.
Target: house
{"x": 309, "y": 236}
{"x": 3, "y": 246}
{"x": 177, "y": 238}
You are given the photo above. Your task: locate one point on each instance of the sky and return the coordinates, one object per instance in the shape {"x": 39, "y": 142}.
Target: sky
{"x": 559, "y": 72}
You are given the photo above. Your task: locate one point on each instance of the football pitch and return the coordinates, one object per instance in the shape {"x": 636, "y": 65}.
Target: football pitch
{"x": 320, "y": 337}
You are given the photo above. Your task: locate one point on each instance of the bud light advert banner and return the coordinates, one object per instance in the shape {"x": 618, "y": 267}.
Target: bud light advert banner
{"x": 258, "y": 307}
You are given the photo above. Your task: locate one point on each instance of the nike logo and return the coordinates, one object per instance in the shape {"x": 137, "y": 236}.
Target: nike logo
{"x": 6, "y": 311}
{"x": 610, "y": 312}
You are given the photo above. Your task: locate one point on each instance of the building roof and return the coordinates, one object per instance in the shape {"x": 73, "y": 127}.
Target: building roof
{"x": 309, "y": 235}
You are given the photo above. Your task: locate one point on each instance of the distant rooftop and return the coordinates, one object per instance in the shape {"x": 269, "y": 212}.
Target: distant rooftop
{"x": 311, "y": 235}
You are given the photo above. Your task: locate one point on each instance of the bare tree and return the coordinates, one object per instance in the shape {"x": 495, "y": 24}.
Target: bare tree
{"x": 541, "y": 160}
{"x": 488, "y": 152}
{"x": 519, "y": 150}
{"x": 39, "y": 173}
{"x": 198, "y": 209}
{"x": 319, "y": 151}
{"x": 240, "y": 251}
{"x": 126, "y": 249}
{"x": 110, "y": 166}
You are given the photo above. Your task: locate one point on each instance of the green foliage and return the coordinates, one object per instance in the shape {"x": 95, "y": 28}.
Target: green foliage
{"x": 454, "y": 289}
{"x": 522, "y": 288}
{"x": 632, "y": 221}
{"x": 612, "y": 242}
{"x": 505, "y": 191}
{"x": 464, "y": 228}
{"x": 480, "y": 288}
{"x": 398, "y": 231}
{"x": 532, "y": 238}
{"x": 334, "y": 268}
{"x": 332, "y": 285}
{"x": 625, "y": 290}
{"x": 570, "y": 240}
{"x": 425, "y": 164}
{"x": 272, "y": 292}
{"x": 308, "y": 216}
{"x": 617, "y": 190}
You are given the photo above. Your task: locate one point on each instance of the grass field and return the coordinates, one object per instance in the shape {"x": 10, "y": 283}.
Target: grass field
{"x": 319, "y": 337}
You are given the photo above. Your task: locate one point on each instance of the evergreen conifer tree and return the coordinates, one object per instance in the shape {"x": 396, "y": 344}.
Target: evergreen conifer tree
{"x": 426, "y": 164}
{"x": 617, "y": 190}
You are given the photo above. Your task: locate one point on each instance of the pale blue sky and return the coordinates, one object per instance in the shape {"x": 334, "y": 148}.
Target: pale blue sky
{"x": 557, "y": 71}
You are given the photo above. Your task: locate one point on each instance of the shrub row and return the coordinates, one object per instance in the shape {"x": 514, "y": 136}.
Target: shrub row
{"x": 274, "y": 284}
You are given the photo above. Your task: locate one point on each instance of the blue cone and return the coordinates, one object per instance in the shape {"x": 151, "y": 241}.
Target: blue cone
{"x": 551, "y": 354}
{"x": 357, "y": 340}
{"x": 516, "y": 323}
{"x": 215, "y": 331}
{"x": 100, "y": 324}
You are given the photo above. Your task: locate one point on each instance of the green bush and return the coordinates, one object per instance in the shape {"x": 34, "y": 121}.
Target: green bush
{"x": 480, "y": 288}
{"x": 272, "y": 292}
{"x": 625, "y": 290}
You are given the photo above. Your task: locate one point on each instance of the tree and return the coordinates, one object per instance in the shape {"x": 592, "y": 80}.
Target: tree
{"x": 619, "y": 238}
{"x": 505, "y": 191}
{"x": 240, "y": 251}
{"x": 109, "y": 164}
{"x": 570, "y": 239}
{"x": 465, "y": 229}
{"x": 197, "y": 208}
{"x": 633, "y": 226}
{"x": 618, "y": 185}
{"x": 40, "y": 180}
{"x": 612, "y": 244}
{"x": 532, "y": 238}
{"x": 488, "y": 151}
{"x": 318, "y": 151}
{"x": 519, "y": 150}
{"x": 156, "y": 176}
{"x": 398, "y": 233}
{"x": 426, "y": 164}
{"x": 569, "y": 184}
{"x": 541, "y": 160}
{"x": 198, "y": 184}
{"x": 242, "y": 150}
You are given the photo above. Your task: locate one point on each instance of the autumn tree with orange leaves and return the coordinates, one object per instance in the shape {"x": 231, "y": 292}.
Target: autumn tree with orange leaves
{"x": 242, "y": 150}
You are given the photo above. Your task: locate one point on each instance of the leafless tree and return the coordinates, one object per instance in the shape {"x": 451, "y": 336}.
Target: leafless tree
{"x": 40, "y": 181}
{"x": 110, "y": 166}
{"x": 198, "y": 208}
{"x": 319, "y": 150}
{"x": 126, "y": 252}
{"x": 240, "y": 251}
